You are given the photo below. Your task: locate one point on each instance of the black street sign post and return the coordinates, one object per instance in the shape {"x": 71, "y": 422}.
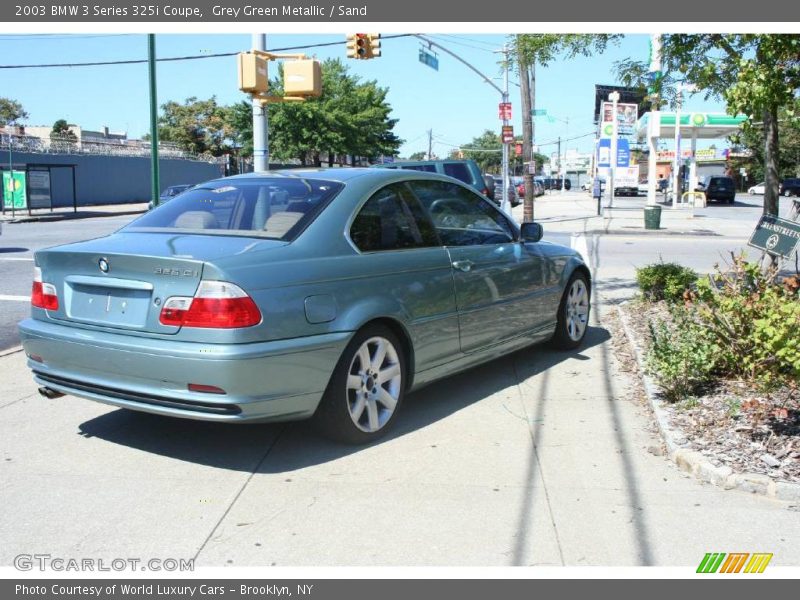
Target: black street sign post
{"x": 776, "y": 236}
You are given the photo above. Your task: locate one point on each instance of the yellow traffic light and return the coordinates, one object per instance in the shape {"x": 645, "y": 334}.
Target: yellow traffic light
{"x": 357, "y": 45}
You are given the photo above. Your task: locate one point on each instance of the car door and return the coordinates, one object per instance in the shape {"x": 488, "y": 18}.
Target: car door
{"x": 496, "y": 278}
{"x": 403, "y": 264}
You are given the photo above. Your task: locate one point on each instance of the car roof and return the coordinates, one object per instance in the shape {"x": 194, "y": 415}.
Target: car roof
{"x": 341, "y": 174}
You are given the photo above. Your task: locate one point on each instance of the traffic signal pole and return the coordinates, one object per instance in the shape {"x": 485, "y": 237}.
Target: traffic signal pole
{"x": 155, "y": 179}
{"x": 260, "y": 119}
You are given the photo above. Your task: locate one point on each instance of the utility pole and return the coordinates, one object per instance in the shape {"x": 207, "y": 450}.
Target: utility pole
{"x": 260, "y": 123}
{"x": 155, "y": 185}
{"x": 430, "y": 144}
{"x": 527, "y": 82}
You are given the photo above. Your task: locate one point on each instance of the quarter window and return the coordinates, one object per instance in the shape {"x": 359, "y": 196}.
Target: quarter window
{"x": 392, "y": 220}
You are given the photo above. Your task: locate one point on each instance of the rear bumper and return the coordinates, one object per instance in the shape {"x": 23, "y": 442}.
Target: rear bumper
{"x": 265, "y": 381}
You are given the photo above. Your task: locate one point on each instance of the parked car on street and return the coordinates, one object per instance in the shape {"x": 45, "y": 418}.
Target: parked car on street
{"x": 758, "y": 189}
{"x": 324, "y": 294}
{"x": 718, "y": 188}
{"x": 512, "y": 192}
{"x": 790, "y": 187}
{"x": 465, "y": 170}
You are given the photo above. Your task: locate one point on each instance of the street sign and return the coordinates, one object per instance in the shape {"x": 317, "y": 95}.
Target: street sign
{"x": 507, "y": 134}
{"x": 14, "y": 192}
{"x": 539, "y": 112}
{"x": 776, "y": 236}
{"x": 428, "y": 58}
{"x": 504, "y": 111}
{"x": 518, "y": 149}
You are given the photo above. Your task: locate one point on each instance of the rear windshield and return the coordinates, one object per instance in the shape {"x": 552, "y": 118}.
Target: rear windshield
{"x": 275, "y": 208}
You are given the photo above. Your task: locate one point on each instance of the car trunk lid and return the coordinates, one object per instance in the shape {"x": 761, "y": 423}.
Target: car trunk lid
{"x": 122, "y": 281}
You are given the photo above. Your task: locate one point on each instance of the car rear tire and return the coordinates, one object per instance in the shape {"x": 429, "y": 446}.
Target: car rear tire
{"x": 573, "y": 313}
{"x": 366, "y": 389}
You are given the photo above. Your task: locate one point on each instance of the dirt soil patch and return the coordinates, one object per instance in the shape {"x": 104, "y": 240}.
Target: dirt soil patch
{"x": 733, "y": 423}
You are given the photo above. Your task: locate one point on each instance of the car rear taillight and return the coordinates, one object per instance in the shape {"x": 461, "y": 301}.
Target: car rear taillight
{"x": 216, "y": 305}
{"x": 43, "y": 295}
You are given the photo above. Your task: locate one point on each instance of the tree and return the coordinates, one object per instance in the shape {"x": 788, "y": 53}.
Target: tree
{"x": 418, "y": 155}
{"x": 62, "y": 138}
{"x": 197, "y": 126}
{"x": 351, "y": 117}
{"x": 486, "y": 150}
{"x": 530, "y": 50}
{"x": 62, "y": 134}
{"x": 11, "y": 112}
{"x": 755, "y": 74}
{"x": 752, "y": 141}
{"x": 240, "y": 122}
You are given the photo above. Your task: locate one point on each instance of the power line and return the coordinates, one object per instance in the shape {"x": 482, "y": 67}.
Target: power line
{"x": 450, "y": 40}
{"x": 491, "y": 45}
{"x": 180, "y": 58}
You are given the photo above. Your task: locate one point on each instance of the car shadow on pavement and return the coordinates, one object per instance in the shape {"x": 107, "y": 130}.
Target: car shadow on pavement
{"x": 254, "y": 447}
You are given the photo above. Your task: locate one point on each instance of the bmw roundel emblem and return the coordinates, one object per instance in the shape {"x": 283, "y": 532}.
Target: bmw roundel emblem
{"x": 103, "y": 264}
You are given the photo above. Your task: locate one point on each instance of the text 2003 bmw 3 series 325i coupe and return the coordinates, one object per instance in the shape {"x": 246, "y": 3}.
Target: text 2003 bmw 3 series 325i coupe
{"x": 287, "y": 295}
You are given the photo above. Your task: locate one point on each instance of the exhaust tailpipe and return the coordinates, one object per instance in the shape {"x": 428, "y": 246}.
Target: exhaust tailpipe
{"x": 49, "y": 393}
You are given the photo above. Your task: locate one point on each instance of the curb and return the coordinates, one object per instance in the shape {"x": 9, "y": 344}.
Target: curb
{"x": 692, "y": 461}
{"x": 10, "y": 351}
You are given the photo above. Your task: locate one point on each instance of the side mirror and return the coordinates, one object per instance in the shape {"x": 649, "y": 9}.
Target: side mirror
{"x": 531, "y": 232}
{"x": 488, "y": 183}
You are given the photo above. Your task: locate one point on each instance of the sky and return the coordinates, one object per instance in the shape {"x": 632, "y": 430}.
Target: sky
{"x": 453, "y": 101}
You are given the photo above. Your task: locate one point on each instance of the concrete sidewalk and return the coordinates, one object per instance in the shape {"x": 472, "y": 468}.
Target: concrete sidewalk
{"x": 576, "y": 212}
{"x": 83, "y": 212}
{"x": 538, "y": 458}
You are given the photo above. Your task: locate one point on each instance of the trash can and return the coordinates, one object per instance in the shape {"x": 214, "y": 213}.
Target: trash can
{"x": 652, "y": 217}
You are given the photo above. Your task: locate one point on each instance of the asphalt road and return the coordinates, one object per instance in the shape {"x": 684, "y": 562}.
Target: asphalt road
{"x": 18, "y": 242}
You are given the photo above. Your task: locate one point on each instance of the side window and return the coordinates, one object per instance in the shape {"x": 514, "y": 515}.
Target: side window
{"x": 462, "y": 217}
{"x": 459, "y": 171}
{"x": 426, "y": 168}
{"x": 392, "y": 220}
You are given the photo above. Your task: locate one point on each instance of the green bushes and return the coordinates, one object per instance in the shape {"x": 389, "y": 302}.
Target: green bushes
{"x": 734, "y": 324}
{"x": 665, "y": 281}
{"x": 681, "y": 357}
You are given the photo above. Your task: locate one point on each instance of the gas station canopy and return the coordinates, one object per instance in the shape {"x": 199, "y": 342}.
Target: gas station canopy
{"x": 700, "y": 125}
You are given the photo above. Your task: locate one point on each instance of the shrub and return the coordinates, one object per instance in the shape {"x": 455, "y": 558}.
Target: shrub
{"x": 665, "y": 281}
{"x": 753, "y": 322}
{"x": 681, "y": 356}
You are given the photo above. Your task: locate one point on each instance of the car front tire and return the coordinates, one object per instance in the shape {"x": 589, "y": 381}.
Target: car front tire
{"x": 366, "y": 389}
{"x": 573, "y": 313}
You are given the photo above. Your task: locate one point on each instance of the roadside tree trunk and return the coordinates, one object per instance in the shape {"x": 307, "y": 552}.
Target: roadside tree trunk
{"x": 771, "y": 179}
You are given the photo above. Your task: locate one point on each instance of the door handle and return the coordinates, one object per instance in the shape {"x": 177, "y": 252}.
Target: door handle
{"x": 463, "y": 265}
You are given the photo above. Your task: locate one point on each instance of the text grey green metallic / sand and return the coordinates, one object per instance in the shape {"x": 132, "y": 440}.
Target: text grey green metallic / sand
{"x": 287, "y": 295}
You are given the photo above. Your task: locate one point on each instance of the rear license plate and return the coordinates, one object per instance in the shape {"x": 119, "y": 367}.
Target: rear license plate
{"x": 109, "y": 306}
